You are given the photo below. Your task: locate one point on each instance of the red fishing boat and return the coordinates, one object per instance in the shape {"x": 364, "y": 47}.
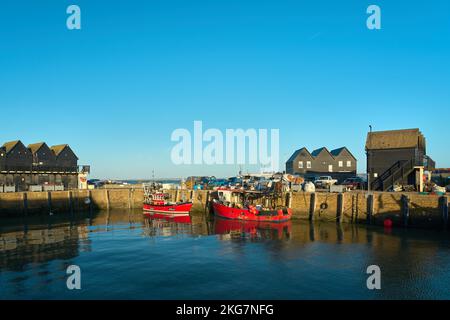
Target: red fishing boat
{"x": 156, "y": 203}
{"x": 240, "y": 205}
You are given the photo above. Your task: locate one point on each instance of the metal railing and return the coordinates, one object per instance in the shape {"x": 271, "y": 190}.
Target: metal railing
{"x": 18, "y": 168}
{"x": 397, "y": 171}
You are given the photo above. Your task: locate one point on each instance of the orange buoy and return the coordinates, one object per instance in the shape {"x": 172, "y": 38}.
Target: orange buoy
{"x": 388, "y": 223}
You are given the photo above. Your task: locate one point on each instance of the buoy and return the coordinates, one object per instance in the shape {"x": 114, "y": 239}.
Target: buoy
{"x": 388, "y": 223}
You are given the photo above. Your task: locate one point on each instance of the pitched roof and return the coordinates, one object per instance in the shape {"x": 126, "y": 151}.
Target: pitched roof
{"x": 316, "y": 152}
{"x": 338, "y": 151}
{"x": 10, "y": 145}
{"x": 58, "y": 148}
{"x": 394, "y": 139}
{"x": 296, "y": 153}
{"x": 34, "y": 147}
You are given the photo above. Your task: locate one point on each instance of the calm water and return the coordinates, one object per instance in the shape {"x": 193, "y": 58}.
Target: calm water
{"x": 124, "y": 255}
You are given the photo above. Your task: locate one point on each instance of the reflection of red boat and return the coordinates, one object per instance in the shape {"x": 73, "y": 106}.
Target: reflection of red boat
{"x": 235, "y": 204}
{"x": 178, "y": 218}
{"x": 225, "y": 226}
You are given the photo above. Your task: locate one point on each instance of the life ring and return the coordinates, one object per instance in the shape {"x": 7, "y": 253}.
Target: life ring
{"x": 324, "y": 206}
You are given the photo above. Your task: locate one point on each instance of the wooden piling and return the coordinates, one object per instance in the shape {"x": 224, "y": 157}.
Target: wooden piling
{"x": 207, "y": 202}
{"x": 289, "y": 200}
{"x": 312, "y": 206}
{"x": 49, "y": 201}
{"x": 369, "y": 208}
{"x": 90, "y": 201}
{"x": 107, "y": 198}
{"x": 405, "y": 210}
{"x": 444, "y": 210}
{"x": 25, "y": 203}
{"x": 340, "y": 207}
{"x": 69, "y": 194}
{"x": 129, "y": 199}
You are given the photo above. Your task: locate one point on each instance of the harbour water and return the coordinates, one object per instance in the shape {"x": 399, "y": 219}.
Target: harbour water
{"x": 123, "y": 255}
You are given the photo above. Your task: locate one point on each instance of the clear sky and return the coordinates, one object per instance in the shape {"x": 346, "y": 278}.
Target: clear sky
{"x": 116, "y": 89}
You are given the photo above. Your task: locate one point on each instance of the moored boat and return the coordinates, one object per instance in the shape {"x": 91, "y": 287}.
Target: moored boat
{"x": 241, "y": 205}
{"x": 157, "y": 203}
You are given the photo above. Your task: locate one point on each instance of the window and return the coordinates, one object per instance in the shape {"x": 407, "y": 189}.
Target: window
{"x": 308, "y": 164}
{"x": 341, "y": 164}
{"x": 300, "y": 164}
{"x": 349, "y": 164}
{"x": 330, "y": 168}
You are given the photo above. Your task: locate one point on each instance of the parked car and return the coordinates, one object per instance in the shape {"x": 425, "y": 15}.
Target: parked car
{"x": 324, "y": 182}
{"x": 354, "y": 183}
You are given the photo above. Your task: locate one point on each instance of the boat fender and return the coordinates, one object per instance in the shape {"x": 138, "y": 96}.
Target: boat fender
{"x": 252, "y": 210}
{"x": 324, "y": 206}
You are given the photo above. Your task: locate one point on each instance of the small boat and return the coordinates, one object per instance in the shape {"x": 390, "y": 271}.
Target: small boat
{"x": 157, "y": 204}
{"x": 239, "y": 204}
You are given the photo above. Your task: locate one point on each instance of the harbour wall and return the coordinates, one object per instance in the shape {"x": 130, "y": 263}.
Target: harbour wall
{"x": 403, "y": 209}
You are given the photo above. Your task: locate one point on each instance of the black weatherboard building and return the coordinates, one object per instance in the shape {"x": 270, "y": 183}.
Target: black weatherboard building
{"x": 396, "y": 157}
{"x": 338, "y": 163}
{"x": 37, "y": 164}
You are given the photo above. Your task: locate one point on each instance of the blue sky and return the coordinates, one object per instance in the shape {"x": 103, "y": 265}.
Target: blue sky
{"x": 116, "y": 89}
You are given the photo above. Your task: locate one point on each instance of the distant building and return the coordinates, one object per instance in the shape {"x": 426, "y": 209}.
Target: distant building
{"x": 43, "y": 157}
{"x": 16, "y": 157}
{"x": 38, "y": 164}
{"x": 338, "y": 163}
{"x": 396, "y": 157}
{"x": 66, "y": 159}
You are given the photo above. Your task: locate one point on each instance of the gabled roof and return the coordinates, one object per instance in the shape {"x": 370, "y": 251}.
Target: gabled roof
{"x": 316, "y": 152}
{"x": 394, "y": 139}
{"x": 10, "y": 145}
{"x": 60, "y": 148}
{"x": 34, "y": 147}
{"x": 296, "y": 153}
{"x": 338, "y": 151}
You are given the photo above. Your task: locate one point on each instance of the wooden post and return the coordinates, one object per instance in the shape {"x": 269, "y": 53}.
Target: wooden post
{"x": 129, "y": 199}
{"x": 207, "y": 202}
{"x": 49, "y": 201}
{"x": 312, "y": 206}
{"x": 369, "y": 208}
{"x": 90, "y": 201}
{"x": 191, "y": 196}
{"x": 25, "y": 203}
{"x": 340, "y": 208}
{"x": 311, "y": 231}
{"x": 176, "y": 195}
{"x": 444, "y": 210}
{"x": 405, "y": 210}
{"x": 107, "y": 198}
{"x": 353, "y": 208}
{"x": 289, "y": 201}
{"x": 70, "y": 201}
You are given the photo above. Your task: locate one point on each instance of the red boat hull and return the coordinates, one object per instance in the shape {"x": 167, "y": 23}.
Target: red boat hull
{"x": 169, "y": 209}
{"x": 226, "y": 212}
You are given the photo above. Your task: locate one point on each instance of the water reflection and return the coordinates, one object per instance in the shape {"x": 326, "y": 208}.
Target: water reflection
{"x": 414, "y": 262}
